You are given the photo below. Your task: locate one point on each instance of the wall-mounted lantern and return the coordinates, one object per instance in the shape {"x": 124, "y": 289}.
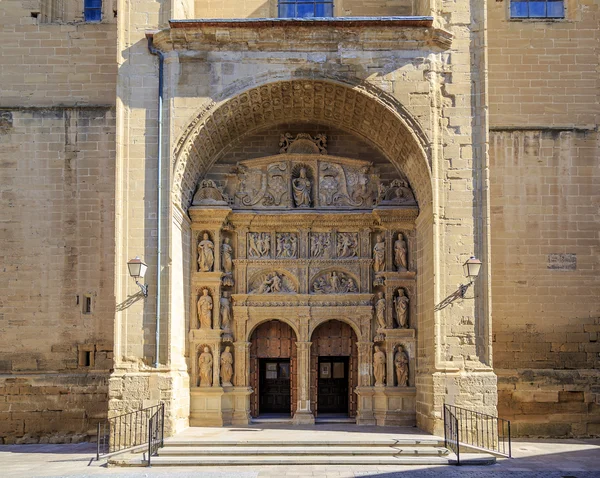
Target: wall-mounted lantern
{"x": 137, "y": 268}
{"x": 471, "y": 268}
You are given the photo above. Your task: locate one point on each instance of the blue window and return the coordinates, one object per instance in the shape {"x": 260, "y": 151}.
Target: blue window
{"x": 305, "y": 9}
{"x": 92, "y": 10}
{"x": 537, "y": 9}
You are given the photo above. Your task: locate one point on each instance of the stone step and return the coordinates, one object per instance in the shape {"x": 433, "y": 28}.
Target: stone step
{"x": 384, "y": 442}
{"x": 279, "y": 460}
{"x": 327, "y": 450}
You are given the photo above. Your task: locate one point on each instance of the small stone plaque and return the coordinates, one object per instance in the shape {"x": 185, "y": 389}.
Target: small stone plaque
{"x": 562, "y": 262}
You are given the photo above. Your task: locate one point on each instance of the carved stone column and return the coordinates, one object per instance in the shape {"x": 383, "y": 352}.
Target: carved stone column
{"x": 304, "y": 414}
{"x": 241, "y": 363}
{"x": 365, "y": 364}
{"x": 216, "y": 346}
{"x": 218, "y": 237}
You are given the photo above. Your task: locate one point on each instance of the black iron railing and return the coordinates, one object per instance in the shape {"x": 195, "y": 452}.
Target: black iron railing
{"x": 127, "y": 431}
{"x": 475, "y": 430}
{"x": 156, "y": 432}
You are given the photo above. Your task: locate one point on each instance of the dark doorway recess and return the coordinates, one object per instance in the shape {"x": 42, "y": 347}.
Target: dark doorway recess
{"x": 333, "y": 385}
{"x": 275, "y": 390}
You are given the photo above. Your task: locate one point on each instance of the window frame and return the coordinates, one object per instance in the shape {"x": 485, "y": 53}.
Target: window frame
{"x": 87, "y": 9}
{"x": 295, "y": 3}
{"x": 537, "y": 18}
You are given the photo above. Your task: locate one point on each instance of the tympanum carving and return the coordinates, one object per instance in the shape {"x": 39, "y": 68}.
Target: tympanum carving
{"x": 287, "y": 245}
{"x": 397, "y": 193}
{"x": 272, "y": 283}
{"x": 347, "y": 244}
{"x": 206, "y": 254}
{"x": 334, "y": 283}
{"x": 259, "y": 245}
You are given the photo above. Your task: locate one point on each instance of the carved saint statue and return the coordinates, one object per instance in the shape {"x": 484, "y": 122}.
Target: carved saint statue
{"x": 225, "y": 313}
{"x": 206, "y": 254}
{"x": 301, "y": 186}
{"x": 205, "y": 368}
{"x": 227, "y": 256}
{"x": 379, "y": 254}
{"x": 400, "y": 251}
{"x": 401, "y": 305}
{"x": 379, "y": 367}
{"x": 205, "y": 305}
{"x": 401, "y": 365}
{"x": 226, "y": 367}
{"x": 380, "y": 310}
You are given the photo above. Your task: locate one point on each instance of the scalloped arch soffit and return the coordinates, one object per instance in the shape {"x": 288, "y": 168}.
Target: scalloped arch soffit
{"x": 381, "y": 120}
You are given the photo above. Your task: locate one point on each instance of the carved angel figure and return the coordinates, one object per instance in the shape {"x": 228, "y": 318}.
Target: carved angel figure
{"x": 205, "y": 368}
{"x": 379, "y": 367}
{"x": 302, "y": 187}
{"x": 206, "y": 254}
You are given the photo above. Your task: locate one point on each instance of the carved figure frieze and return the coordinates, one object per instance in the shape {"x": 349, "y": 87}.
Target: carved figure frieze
{"x": 319, "y": 244}
{"x": 302, "y": 188}
{"x": 397, "y": 193}
{"x": 226, "y": 367}
{"x": 303, "y": 143}
{"x": 272, "y": 283}
{"x": 400, "y": 253}
{"x": 344, "y": 186}
{"x": 205, "y": 368}
{"x": 401, "y": 304}
{"x": 209, "y": 194}
{"x": 204, "y": 307}
{"x": 379, "y": 254}
{"x": 287, "y": 245}
{"x": 347, "y": 244}
{"x": 334, "y": 283}
{"x": 380, "y": 307}
{"x": 206, "y": 254}
{"x": 401, "y": 366}
{"x": 379, "y": 366}
{"x": 259, "y": 245}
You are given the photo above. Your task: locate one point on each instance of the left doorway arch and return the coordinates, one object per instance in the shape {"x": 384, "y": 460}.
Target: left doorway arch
{"x": 272, "y": 358}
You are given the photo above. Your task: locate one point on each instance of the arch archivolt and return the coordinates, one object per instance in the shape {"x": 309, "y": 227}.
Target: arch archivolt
{"x": 360, "y": 109}
{"x": 254, "y": 322}
{"x": 360, "y": 324}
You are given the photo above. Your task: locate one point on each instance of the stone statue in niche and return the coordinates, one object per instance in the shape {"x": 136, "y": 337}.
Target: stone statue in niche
{"x": 205, "y": 306}
{"x": 206, "y": 254}
{"x": 397, "y": 193}
{"x": 335, "y": 283}
{"x": 259, "y": 245}
{"x": 302, "y": 190}
{"x": 379, "y": 367}
{"x": 205, "y": 368}
{"x": 226, "y": 367}
{"x": 347, "y": 243}
{"x": 380, "y": 310}
{"x": 227, "y": 262}
{"x": 319, "y": 244}
{"x": 225, "y": 304}
{"x": 273, "y": 283}
{"x": 401, "y": 304}
{"x": 209, "y": 194}
{"x": 379, "y": 254}
{"x": 401, "y": 365}
{"x": 287, "y": 245}
{"x": 400, "y": 252}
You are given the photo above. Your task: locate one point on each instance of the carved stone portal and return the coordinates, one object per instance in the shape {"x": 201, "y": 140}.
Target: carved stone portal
{"x": 334, "y": 283}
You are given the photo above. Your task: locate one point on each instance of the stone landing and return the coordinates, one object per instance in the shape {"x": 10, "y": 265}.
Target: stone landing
{"x": 277, "y": 444}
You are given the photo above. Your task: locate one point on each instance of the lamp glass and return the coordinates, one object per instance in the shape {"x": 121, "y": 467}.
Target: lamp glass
{"x": 137, "y": 268}
{"x": 472, "y": 267}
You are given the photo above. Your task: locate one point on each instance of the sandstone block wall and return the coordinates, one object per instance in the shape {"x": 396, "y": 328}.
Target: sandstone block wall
{"x": 57, "y": 152}
{"x": 545, "y": 178}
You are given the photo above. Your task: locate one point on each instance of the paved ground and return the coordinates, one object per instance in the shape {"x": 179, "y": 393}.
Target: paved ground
{"x": 532, "y": 459}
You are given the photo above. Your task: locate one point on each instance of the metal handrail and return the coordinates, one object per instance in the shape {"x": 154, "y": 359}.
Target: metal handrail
{"x": 126, "y": 431}
{"x": 463, "y": 427}
{"x": 156, "y": 432}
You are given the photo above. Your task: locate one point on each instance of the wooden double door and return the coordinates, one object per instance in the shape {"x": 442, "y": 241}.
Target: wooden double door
{"x": 332, "y": 385}
{"x": 274, "y": 386}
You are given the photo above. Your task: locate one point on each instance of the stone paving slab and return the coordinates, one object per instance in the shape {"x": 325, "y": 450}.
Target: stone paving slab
{"x": 532, "y": 459}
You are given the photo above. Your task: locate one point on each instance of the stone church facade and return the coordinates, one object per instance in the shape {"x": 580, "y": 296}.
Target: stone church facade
{"x": 305, "y": 193}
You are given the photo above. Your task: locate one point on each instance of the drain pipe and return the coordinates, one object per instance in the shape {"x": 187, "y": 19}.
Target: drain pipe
{"x": 161, "y": 58}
